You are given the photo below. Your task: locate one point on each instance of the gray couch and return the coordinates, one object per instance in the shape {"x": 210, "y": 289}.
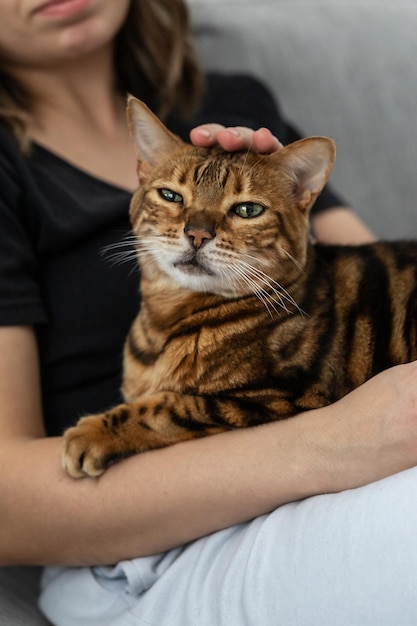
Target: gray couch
{"x": 341, "y": 68}
{"x": 344, "y": 68}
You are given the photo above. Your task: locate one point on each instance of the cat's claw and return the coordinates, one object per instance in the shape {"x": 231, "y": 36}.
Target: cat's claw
{"x": 85, "y": 452}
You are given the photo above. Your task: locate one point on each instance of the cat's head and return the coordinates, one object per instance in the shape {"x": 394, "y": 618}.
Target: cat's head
{"x": 219, "y": 222}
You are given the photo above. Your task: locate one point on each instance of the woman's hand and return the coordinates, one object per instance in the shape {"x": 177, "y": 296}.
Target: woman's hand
{"x": 371, "y": 433}
{"x": 236, "y": 138}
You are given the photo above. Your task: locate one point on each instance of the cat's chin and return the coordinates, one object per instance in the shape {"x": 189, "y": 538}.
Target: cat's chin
{"x": 193, "y": 268}
{"x": 199, "y": 279}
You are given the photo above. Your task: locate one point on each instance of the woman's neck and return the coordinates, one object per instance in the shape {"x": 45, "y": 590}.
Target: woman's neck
{"x": 72, "y": 90}
{"x": 78, "y": 113}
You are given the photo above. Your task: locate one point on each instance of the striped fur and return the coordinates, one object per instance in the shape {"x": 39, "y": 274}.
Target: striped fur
{"x": 243, "y": 320}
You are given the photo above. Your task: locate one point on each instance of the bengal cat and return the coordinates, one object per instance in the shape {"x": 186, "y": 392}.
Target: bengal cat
{"x": 243, "y": 319}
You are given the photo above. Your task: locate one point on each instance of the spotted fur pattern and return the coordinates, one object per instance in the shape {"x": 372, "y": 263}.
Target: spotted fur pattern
{"x": 243, "y": 320}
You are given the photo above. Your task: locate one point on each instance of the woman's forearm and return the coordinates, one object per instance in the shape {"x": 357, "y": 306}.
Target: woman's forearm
{"x": 144, "y": 504}
{"x": 164, "y": 498}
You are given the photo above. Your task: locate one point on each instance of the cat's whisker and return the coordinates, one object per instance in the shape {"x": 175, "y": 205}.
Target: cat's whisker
{"x": 269, "y": 302}
{"x": 299, "y": 265}
{"x": 261, "y": 158}
{"x": 229, "y": 281}
{"x": 242, "y": 270}
{"x": 278, "y": 289}
{"x": 267, "y": 297}
{"x": 294, "y": 260}
{"x": 124, "y": 251}
{"x": 126, "y": 242}
{"x": 257, "y": 293}
{"x": 260, "y": 260}
{"x": 147, "y": 253}
{"x": 243, "y": 165}
{"x": 122, "y": 257}
{"x": 145, "y": 259}
{"x": 251, "y": 256}
{"x": 273, "y": 284}
{"x": 264, "y": 296}
{"x": 244, "y": 168}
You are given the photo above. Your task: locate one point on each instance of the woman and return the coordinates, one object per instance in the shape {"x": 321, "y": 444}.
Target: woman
{"x": 67, "y": 170}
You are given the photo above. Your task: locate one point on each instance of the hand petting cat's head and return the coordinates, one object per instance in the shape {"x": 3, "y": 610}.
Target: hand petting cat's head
{"x": 226, "y": 223}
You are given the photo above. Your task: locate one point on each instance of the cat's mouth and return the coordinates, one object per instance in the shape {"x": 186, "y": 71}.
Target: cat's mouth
{"x": 194, "y": 267}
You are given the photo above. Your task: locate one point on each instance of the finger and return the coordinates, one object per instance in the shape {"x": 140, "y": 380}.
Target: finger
{"x": 230, "y": 139}
{"x": 265, "y": 142}
{"x": 242, "y": 138}
{"x": 205, "y": 135}
{"x": 235, "y": 138}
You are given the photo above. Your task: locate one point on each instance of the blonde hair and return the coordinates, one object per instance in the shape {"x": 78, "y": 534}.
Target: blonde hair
{"x": 154, "y": 60}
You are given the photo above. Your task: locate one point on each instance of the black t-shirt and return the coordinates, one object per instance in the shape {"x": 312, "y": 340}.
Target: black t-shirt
{"x": 60, "y": 270}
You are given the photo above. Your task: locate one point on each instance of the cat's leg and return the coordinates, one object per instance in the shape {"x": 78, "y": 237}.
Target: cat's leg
{"x": 160, "y": 420}
{"x": 156, "y": 421}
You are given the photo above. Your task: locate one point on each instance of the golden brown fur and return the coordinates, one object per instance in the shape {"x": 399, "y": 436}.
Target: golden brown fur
{"x": 242, "y": 319}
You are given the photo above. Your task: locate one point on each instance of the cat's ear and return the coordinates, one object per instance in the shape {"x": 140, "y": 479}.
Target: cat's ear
{"x": 153, "y": 141}
{"x": 309, "y": 162}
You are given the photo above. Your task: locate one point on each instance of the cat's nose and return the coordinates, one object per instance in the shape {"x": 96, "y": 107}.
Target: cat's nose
{"x": 199, "y": 236}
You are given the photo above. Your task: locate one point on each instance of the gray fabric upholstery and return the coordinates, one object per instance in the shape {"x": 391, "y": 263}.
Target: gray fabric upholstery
{"x": 18, "y": 597}
{"x": 343, "y": 68}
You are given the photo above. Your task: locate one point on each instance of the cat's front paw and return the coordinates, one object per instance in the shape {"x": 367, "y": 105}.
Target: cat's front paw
{"x": 91, "y": 447}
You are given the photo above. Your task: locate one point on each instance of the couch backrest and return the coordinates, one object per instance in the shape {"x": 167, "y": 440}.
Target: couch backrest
{"x": 346, "y": 69}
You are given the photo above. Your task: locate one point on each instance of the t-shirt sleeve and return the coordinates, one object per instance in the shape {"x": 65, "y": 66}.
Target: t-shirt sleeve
{"x": 20, "y": 292}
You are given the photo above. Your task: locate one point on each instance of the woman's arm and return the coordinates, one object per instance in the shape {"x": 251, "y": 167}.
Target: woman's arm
{"x": 161, "y": 499}
{"x": 340, "y": 225}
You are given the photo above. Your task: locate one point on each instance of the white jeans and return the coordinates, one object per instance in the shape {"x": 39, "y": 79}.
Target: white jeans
{"x": 331, "y": 560}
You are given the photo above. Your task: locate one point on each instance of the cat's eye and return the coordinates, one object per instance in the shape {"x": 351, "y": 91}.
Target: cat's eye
{"x": 169, "y": 195}
{"x": 248, "y": 209}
